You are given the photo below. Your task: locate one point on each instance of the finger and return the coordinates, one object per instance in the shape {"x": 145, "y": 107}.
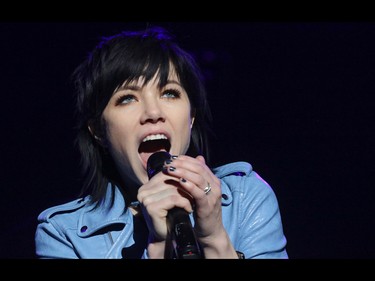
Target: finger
{"x": 193, "y": 169}
{"x": 164, "y": 187}
{"x": 193, "y": 173}
{"x": 161, "y": 206}
{"x": 157, "y": 184}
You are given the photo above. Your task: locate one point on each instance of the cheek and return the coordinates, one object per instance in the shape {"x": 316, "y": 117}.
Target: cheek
{"x": 117, "y": 129}
{"x": 119, "y": 143}
{"x": 186, "y": 127}
{"x": 184, "y": 120}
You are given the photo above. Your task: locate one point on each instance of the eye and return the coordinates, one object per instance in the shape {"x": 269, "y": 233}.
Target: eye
{"x": 125, "y": 99}
{"x": 171, "y": 94}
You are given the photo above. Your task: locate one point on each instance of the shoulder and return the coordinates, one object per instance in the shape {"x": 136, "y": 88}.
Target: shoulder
{"x": 239, "y": 172}
{"x": 239, "y": 177}
{"x": 66, "y": 208}
{"x": 233, "y": 169}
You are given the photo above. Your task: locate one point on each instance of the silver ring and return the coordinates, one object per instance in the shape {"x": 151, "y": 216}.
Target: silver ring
{"x": 207, "y": 189}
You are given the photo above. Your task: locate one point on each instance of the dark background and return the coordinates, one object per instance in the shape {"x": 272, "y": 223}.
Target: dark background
{"x": 295, "y": 99}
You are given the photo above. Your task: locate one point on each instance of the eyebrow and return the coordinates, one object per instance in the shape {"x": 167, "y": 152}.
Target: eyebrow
{"x": 174, "y": 82}
{"x": 135, "y": 87}
{"x": 129, "y": 87}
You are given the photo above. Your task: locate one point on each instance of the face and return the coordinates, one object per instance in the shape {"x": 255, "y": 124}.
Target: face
{"x": 140, "y": 119}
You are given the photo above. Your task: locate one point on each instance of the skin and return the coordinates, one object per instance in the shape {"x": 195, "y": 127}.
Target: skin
{"x": 137, "y": 110}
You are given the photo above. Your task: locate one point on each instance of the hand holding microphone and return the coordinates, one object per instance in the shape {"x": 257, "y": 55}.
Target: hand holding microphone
{"x": 180, "y": 229}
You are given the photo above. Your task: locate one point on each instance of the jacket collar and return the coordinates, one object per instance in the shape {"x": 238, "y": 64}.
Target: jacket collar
{"x": 91, "y": 220}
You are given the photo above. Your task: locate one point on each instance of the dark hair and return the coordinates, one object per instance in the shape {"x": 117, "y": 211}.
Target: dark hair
{"x": 127, "y": 56}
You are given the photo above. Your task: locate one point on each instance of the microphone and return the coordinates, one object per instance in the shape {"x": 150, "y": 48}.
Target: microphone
{"x": 178, "y": 221}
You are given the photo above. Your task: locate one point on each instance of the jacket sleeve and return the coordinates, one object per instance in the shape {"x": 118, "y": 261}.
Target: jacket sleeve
{"x": 50, "y": 243}
{"x": 262, "y": 233}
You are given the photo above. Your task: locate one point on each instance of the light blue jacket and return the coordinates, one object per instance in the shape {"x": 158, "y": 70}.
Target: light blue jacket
{"x": 250, "y": 212}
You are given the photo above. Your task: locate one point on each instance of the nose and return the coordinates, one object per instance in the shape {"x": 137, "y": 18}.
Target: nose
{"x": 152, "y": 111}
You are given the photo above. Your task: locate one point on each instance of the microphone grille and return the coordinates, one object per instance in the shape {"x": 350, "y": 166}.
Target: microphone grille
{"x": 155, "y": 162}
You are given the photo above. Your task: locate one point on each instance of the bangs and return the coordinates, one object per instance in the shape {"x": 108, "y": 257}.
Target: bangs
{"x": 149, "y": 69}
{"x": 129, "y": 63}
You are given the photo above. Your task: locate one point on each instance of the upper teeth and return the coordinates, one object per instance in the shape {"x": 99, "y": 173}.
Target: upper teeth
{"x": 155, "y": 137}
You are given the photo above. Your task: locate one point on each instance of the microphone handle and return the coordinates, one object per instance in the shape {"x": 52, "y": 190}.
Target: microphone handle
{"x": 183, "y": 236}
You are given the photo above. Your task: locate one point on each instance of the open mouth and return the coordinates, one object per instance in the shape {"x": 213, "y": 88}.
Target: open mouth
{"x": 151, "y": 144}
